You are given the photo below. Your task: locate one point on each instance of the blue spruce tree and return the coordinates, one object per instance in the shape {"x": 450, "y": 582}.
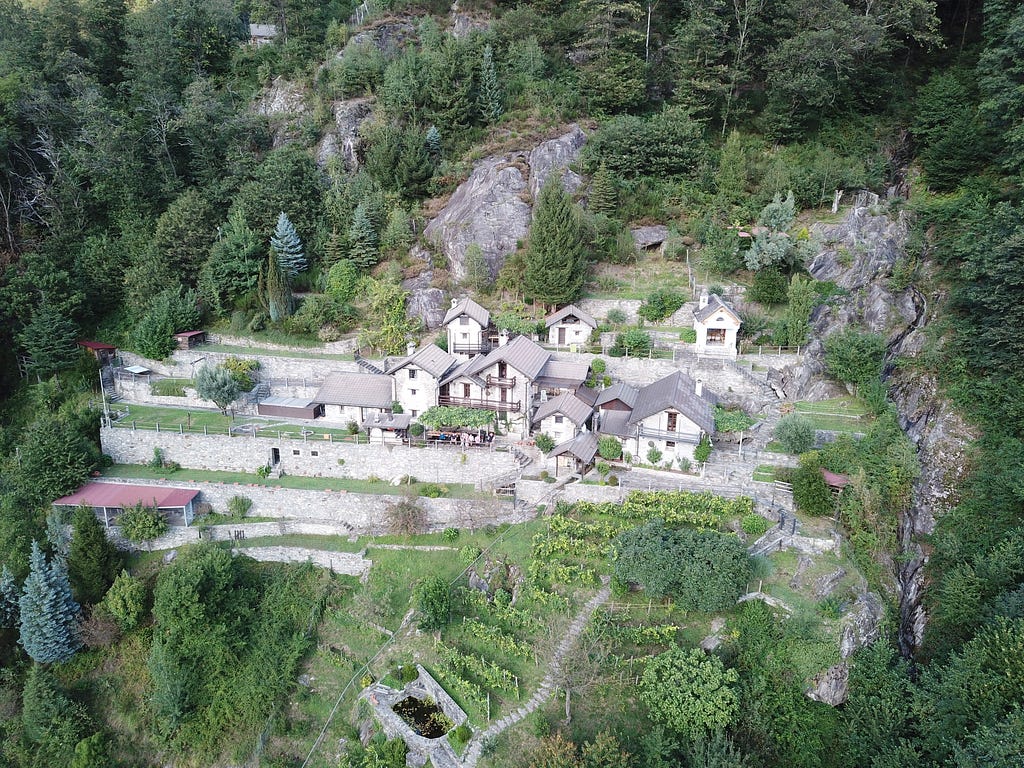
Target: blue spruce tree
{"x": 288, "y": 247}
{"x": 49, "y": 615}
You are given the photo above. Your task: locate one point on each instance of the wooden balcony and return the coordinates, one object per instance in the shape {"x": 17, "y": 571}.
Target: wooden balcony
{"x": 471, "y": 348}
{"x": 500, "y": 382}
{"x": 486, "y": 405}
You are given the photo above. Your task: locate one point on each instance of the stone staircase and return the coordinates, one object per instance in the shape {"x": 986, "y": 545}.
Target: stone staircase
{"x": 367, "y": 365}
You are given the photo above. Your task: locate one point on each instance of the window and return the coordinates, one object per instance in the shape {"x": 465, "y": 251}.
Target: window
{"x": 463, "y": 320}
{"x": 716, "y": 335}
{"x": 412, "y": 392}
{"x": 465, "y": 337}
{"x": 559, "y": 419}
{"x": 412, "y": 373}
{"x": 314, "y": 453}
{"x": 669, "y": 445}
{"x": 296, "y": 452}
{"x": 414, "y": 414}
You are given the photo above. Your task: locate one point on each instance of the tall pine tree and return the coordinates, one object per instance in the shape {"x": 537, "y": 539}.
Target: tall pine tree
{"x": 555, "y": 259}
{"x": 273, "y": 289}
{"x": 288, "y": 247}
{"x": 49, "y": 615}
{"x": 362, "y": 235}
{"x": 49, "y": 341}
{"x": 604, "y": 197}
{"x": 93, "y": 562}
{"x": 489, "y": 98}
{"x": 8, "y": 599}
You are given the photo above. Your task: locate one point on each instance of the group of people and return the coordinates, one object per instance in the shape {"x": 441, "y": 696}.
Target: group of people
{"x": 465, "y": 439}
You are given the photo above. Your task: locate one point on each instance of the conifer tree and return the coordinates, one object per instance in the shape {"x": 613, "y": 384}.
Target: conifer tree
{"x": 288, "y": 247}
{"x": 432, "y": 142}
{"x": 362, "y": 235}
{"x": 489, "y": 99}
{"x": 49, "y": 341}
{"x": 604, "y": 198}
{"x": 8, "y": 599}
{"x": 233, "y": 265}
{"x": 273, "y": 289}
{"x": 555, "y": 259}
{"x": 49, "y": 615}
{"x": 397, "y": 236}
{"x": 94, "y": 561}
{"x": 415, "y": 168}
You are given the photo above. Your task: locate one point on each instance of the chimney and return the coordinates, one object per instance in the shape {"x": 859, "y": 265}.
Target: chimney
{"x": 455, "y": 303}
{"x": 502, "y": 338}
{"x": 699, "y": 388}
{"x": 703, "y": 302}
{"x": 410, "y": 348}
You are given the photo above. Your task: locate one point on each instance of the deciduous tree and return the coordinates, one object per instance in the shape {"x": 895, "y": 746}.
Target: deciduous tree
{"x": 216, "y": 383}
{"x": 690, "y": 691}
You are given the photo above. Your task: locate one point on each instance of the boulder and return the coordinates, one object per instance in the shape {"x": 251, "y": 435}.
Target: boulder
{"x": 861, "y": 626}
{"x": 388, "y": 37}
{"x": 492, "y": 207}
{"x": 650, "y": 237}
{"x": 831, "y": 686}
{"x": 342, "y": 138}
{"x": 284, "y": 105}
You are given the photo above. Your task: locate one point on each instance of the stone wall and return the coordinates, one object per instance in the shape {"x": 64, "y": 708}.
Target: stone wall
{"x": 326, "y": 513}
{"x": 297, "y": 370}
{"x": 599, "y": 308}
{"x": 435, "y": 464}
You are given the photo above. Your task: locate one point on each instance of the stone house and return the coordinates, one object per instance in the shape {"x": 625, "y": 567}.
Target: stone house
{"x": 670, "y": 415}
{"x": 467, "y": 326}
{"x": 716, "y": 325}
{"x": 569, "y": 325}
{"x": 576, "y": 454}
{"x": 511, "y": 380}
{"x": 355, "y": 396}
{"x": 566, "y": 415}
{"x": 262, "y": 34}
{"x": 418, "y": 377}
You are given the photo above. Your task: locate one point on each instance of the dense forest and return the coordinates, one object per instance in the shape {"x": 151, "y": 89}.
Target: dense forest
{"x": 143, "y": 193}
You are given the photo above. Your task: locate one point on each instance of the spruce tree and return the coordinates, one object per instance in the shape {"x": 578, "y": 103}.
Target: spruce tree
{"x": 555, "y": 259}
{"x": 233, "y": 266}
{"x": 94, "y": 561}
{"x": 49, "y": 615}
{"x": 362, "y": 235}
{"x": 49, "y": 341}
{"x": 397, "y": 236}
{"x": 287, "y": 246}
{"x": 489, "y": 99}
{"x": 604, "y": 197}
{"x": 432, "y": 142}
{"x": 273, "y": 289}
{"x": 8, "y": 599}
{"x": 415, "y": 167}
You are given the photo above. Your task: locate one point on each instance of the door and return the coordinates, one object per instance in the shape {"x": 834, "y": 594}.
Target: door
{"x": 502, "y": 371}
{"x": 561, "y": 336}
{"x": 275, "y": 457}
{"x": 672, "y": 422}
{"x": 503, "y": 394}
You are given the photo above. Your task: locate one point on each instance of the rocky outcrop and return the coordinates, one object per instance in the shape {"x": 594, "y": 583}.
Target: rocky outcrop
{"x": 342, "y": 138}
{"x": 387, "y": 36}
{"x": 859, "y": 628}
{"x": 284, "y": 105}
{"x": 492, "y": 208}
{"x": 425, "y": 301}
{"x": 650, "y": 237}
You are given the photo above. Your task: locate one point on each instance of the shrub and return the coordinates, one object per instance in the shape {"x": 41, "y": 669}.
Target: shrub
{"x": 795, "y": 433}
{"x": 598, "y": 365}
{"x": 659, "y": 304}
{"x": 544, "y": 442}
{"x": 609, "y": 448}
{"x": 854, "y": 357}
{"x": 141, "y": 523}
{"x": 603, "y": 468}
{"x": 352, "y": 428}
{"x": 613, "y": 479}
{"x": 462, "y": 733}
{"x": 755, "y": 525}
{"x": 433, "y": 601}
{"x": 633, "y": 341}
{"x": 703, "y": 450}
{"x": 263, "y": 472}
{"x": 769, "y": 286}
{"x": 653, "y": 456}
{"x": 732, "y": 421}
{"x": 100, "y": 630}
{"x": 615, "y": 317}
{"x": 408, "y": 673}
{"x": 157, "y": 462}
{"x": 468, "y": 554}
{"x": 416, "y": 430}
{"x": 684, "y": 464}
{"x": 125, "y": 601}
{"x": 688, "y": 336}
{"x": 810, "y": 492}
{"x": 242, "y": 370}
{"x": 434, "y": 491}
{"x": 239, "y": 506}
{"x": 406, "y": 517}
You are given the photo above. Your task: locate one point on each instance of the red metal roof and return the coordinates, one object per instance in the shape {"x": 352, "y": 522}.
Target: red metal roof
{"x": 188, "y": 334}
{"x": 125, "y": 495}
{"x": 95, "y": 345}
{"x": 834, "y": 479}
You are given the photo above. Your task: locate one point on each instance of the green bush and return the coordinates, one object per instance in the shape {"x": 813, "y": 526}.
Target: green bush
{"x": 653, "y": 456}
{"x": 732, "y": 421}
{"x": 242, "y": 370}
{"x": 703, "y": 450}
{"x": 598, "y": 365}
{"x": 126, "y": 601}
{"x": 635, "y": 342}
{"x": 263, "y": 472}
{"x": 769, "y": 287}
{"x": 615, "y": 317}
{"x": 796, "y": 433}
{"x": 141, "y": 523}
{"x": 688, "y": 336}
{"x": 544, "y": 442}
{"x": 468, "y": 554}
{"x": 239, "y": 506}
{"x": 660, "y": 303}
{"x": 854, "y": 357}
{"x": 451, "y": 535}
{"x": 810, "y": 492}
{"x": 408, "y": 673}
{"x": 755, "y": 525}
{"x": 613, "y": 480}
{"x": 416, "y": 430}
{"x": 434, "y": 491}
{"x": 609, "y": 448}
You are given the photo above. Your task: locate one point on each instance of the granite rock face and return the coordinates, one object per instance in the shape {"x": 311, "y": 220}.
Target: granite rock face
{"x": 493, "y": 207}
{"x": 284, "y": 105}
{"x": 342, "y": 138}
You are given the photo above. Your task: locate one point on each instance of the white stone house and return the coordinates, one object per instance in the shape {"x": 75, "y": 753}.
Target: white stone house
{"x": 466, "y": 324}
{"x": 569, "y": 325}
{"x": 563, "y": 417}
{"x": 716, "y": 325}
{"x": 511, "y": 380}
{"x": 575, "y": 455}
{"x": 418, "y": 377}
{"x": 355, "y": 396}
{"x": 670, "y": 415}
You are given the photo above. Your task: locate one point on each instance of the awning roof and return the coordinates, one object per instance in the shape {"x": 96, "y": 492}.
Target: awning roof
{"x": 124, "y": 495}
{"x": 97, "y": 345}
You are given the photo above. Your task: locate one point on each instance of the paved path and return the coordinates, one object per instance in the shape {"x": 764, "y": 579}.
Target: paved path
{"x": 544, "y": 690}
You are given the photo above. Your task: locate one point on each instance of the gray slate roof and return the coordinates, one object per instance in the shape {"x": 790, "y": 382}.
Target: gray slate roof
{"x": 715, "y": 303}
{"x": 567, "y": 404}
{"x": 583, "y": 447}
{"x": 263, "y": 30}
{"x": 563, "y": 373}
{"x": 525, "y": 356}
{"x": 616, "y": 423}
{"x": 387, "y": 421}
{"x": 619, "y": 391}
{"x": 364, "y": 390}
{"x": 677, "y": 391}
{"x": 571, "y": 310}
{"x": 288, "y": 402}
{"x": 431, "y": 358}
{"x": 468, "y": 307}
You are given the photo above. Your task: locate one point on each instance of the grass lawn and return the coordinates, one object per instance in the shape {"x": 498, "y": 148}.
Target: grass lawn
{"x": 352, "y": 485}
{"x": 170, "y": 387}
{"x": 311, "y": 355}
{"x": 840, "y": 414}
{"x": 765, "y": 473}
{"x": 199, "y": 419}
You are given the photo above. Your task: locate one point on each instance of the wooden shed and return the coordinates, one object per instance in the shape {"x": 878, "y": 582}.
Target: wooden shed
{"x": 103, "y": 353}
{"x": 290, "y": 408}
{"x": 189, "y": 339}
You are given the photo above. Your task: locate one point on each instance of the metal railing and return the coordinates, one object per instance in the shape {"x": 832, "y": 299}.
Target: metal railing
{"x": 664, "y": 434}
{"x": 474, "y": 402}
